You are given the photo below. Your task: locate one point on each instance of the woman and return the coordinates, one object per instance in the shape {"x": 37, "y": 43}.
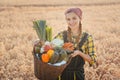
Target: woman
{"x": 75, "y": 70}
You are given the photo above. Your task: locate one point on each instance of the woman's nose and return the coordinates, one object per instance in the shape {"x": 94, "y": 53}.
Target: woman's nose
{"x": 71, "y": 21}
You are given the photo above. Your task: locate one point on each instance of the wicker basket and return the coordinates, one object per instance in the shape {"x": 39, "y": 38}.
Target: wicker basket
{"x": 44, "y": 71}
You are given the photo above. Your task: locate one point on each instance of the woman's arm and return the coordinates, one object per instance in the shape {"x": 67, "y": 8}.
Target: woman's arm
{"x": 89, "y": 54}
{"x": 86, "y": 57}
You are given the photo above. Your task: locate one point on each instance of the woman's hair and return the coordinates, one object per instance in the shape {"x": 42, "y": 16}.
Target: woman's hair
{"x": 70, "y": 35}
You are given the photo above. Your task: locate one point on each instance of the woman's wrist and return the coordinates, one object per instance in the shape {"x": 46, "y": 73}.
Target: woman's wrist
{"x": 76, "y": 53}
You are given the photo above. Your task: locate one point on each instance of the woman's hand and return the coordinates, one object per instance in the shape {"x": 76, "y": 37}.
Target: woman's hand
{"x": 86, "y": 57}
{"x": 76, "y": 52}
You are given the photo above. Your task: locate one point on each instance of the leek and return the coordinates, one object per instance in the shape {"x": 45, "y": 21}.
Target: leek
{"x": 40, "y": 27}
{"x": 48, "y": 33}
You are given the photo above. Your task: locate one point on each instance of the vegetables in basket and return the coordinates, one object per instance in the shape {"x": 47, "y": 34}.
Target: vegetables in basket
{"x": 54, "y": 58}
{"x": 48, "y": 33}
{"x": 43, "y": 31}
{"x": 47, "y": 48}
{"x": 68, "y": 46}
{"x": 57, "y": 42}
{"x": 45, "y": 57}
{"x": 40, "y": 27}
{"x": 58, "y": 56}
{"x": 63, "y": 56}
{"x": 51, "y": 51}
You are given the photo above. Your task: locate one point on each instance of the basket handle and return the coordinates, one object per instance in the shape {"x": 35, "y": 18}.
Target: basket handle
{"x": 33, "y": 52}
{"x": 34, "y": 45}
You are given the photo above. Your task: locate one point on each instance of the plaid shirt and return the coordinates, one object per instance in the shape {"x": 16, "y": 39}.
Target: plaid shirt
{"x": 87, "y": 48}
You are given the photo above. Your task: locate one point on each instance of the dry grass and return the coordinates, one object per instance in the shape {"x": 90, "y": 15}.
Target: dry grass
{"x": 17, "y": 36}
{"x": 54, "y": 2}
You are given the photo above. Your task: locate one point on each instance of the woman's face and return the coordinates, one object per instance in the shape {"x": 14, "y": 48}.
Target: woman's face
{"x": 72, "y": 20}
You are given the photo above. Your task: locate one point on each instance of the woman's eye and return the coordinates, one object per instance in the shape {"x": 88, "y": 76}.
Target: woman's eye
{"x": 68, "y": 19}
{"x": 74, "y": 18}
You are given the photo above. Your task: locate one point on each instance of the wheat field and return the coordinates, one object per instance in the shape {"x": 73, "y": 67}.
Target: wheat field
{"x": 17, "y": 35}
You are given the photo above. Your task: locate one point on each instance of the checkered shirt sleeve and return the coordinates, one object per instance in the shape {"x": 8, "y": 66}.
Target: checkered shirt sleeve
{"x": 91, "y": 49}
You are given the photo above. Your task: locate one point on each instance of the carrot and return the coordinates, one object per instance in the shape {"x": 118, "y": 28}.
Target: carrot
{"x": 68, "y": 46}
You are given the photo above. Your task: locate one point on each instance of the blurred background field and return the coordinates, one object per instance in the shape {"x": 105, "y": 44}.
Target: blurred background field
{"x": 101, "y": 18}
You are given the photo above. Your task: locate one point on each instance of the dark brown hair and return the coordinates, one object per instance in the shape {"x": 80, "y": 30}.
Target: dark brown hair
{"x": 70, "y": 35}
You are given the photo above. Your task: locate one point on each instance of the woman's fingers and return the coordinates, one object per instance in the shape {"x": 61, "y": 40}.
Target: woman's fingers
{"x": 77, "y": 52}
{"x": 74, "y": 54}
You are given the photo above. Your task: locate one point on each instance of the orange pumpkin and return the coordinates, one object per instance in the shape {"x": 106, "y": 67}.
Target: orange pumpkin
{"x": 45, "y": 57}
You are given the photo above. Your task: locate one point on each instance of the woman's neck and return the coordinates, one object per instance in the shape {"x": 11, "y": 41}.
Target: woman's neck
{"x": 75, "y": 32}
